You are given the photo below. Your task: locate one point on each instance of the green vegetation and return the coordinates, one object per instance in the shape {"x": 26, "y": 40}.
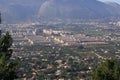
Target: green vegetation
{"x": 108, "y": 70}
{"x": 7, "y": 66}
{"x": 71, "y": 62}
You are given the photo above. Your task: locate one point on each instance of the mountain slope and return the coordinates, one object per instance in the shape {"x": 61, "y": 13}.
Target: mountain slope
{"x": 14, "y": 11}
{"x": 83, "y": 9}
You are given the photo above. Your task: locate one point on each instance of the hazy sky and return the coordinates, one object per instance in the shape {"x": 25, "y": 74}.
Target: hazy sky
{"x": 118, "y": 1}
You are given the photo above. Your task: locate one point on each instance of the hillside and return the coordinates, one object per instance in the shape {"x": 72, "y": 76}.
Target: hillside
{"x": 78, "y": 9}
{"x": 14, "y": 11}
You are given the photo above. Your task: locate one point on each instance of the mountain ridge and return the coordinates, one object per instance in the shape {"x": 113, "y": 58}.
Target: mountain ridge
{"x": 15, "y": 11}
{"x": 80, "y": 9}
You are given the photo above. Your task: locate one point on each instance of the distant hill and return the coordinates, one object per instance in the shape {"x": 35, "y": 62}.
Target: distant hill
{"x": 14, "y": 11}
{"x": 78, "y": 9}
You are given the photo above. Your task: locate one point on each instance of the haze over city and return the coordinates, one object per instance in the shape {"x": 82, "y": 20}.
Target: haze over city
{"x": 59, "y": 40}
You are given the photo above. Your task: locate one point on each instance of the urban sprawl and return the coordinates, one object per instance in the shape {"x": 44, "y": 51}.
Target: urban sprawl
{"x": 63, "y": 50}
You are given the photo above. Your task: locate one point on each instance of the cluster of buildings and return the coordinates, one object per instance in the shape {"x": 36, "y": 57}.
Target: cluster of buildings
{"x": 26, "y": 34}
{"x": 29, "y": 34}
{"x": 67, "y": 38}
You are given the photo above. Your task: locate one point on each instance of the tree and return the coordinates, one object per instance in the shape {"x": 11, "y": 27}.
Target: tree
{"x": 7, "y": 66}
{"x": 108, "y": 70}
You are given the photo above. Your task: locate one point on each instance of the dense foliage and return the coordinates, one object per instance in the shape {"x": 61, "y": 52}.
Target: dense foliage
{"x": 7, "y": 65}
{"x": 108, "y": 70}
